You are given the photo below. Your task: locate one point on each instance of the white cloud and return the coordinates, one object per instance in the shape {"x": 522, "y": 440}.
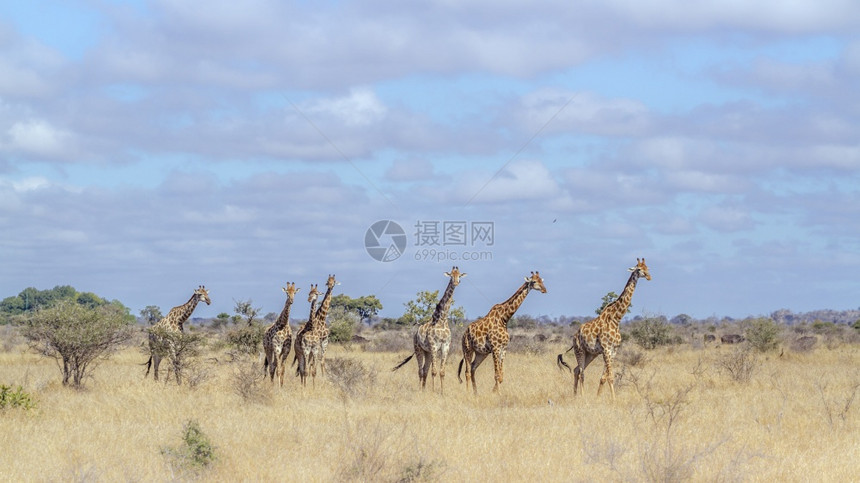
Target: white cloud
{"x": 360, "y": 108}
{"x": 38, "y": 138}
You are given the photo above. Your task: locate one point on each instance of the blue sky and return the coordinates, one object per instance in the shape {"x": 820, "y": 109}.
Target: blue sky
{"x": 148, "y": 147}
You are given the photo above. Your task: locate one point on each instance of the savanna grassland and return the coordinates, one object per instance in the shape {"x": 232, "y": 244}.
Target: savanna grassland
{"x": 683, "y": 413}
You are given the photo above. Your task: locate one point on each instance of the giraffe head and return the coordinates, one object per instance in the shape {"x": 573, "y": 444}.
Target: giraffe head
{"x": 290, "y": 290}
{"x": 202, "y": 294}
{"x": 641, "y": 268}
{"x": 535, "y": 282}
{"x": 455, "y": 274}
{"x": 331, "y": 282}
{"x": 314, "y": 293}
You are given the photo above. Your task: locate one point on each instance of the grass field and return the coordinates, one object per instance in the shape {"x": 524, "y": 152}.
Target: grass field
{"x": 679, "y": 416}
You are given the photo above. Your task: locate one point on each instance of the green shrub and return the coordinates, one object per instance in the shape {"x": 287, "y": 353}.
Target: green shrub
{"x": 763, "y": 334}
{"x": 651, "y": 332}
{"x": 15, "y": 398}
{"x": 247, "y": 339}
{"x": 196, "y": 451}
{"x": 343, "y": 325}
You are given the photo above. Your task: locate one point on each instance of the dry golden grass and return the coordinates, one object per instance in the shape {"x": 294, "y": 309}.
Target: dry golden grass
{"x": 677, "y": 418}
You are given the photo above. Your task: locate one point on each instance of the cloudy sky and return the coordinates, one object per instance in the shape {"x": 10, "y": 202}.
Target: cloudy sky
{"x": 148, "y": 147}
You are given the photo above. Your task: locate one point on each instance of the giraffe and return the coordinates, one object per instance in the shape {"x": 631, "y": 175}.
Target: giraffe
{"x": 602, "y": 336}
{"x": 170, "y": 325}
{"x": 278, "y": 339}
{"x": 314, "y": 337}
{"x": 313, "y": 295}
{"x": 489, "y": 334}
{"x": 432, "y": 339}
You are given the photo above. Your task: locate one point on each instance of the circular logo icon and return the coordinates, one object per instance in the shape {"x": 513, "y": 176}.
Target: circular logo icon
{"x": 385, "y": 241}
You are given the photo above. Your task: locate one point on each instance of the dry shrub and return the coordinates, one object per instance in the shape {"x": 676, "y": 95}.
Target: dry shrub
{"x": 524, "y": 344}
{"x": 351, "y": 377}
{"x": 804, "y": 344}
{"x": 390, "y": 341}
{"x": 739, "y": 364}
{"x": 629, "y": 356}
{"x": 249, "y": 381}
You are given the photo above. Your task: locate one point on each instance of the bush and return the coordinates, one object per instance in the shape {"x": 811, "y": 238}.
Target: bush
{"x": 179, "y": 349}
{"x": 77, "y": 336}
{"x": 739, "y": 364}
{"x": 249, "y": 382}
{"x": 196, "y": 451}
{"x": 15, "y": 398}
{"x": 651, "y": 332}
{"x": 343, "y": 325}
{"x": 763, "y": 334}
{"x": 350, "y": 376}
{"x": 247, "y": 339}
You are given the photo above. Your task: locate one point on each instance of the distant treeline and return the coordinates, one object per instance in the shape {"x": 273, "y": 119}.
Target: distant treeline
{"x": 31, "y": 299}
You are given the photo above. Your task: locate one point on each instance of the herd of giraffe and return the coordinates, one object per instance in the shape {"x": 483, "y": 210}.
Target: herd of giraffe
{"x": 485, "y": 336}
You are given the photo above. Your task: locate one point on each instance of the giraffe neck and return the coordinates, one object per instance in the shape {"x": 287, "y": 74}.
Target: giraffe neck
{"x": 441, "y": 312}
{"x": 314, "y": 304}
{"x": 284, "y": 318}
{"x": 322, "y": 312}
{"x": 509, "y": 307}
{"x": 616, "y": 310}
{"x": 178, "y": 315}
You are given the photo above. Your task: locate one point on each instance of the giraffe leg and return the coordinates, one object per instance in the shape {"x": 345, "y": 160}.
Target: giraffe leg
{"x": 323, "y": 347}
{"x": 421, "y": 358}
{"x": 442, "y": 361}
{"x": 479, "y": 358}
{"x": 498, "y": 367}
{"x": 579, "y": 372}
{"x": 607, "y": 374}
{"x": 432, "y": 368}
{"x": 156, "y": 360}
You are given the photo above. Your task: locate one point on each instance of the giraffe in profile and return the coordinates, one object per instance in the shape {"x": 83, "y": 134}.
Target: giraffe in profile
{"x": 313, "y": 339}
{"x": 278, "y": 339}
{"x": 602, "y": 335}
{"x": 489, "y": 334}
{"x": 160, "y": 341}
{"x": 432, "y": 339}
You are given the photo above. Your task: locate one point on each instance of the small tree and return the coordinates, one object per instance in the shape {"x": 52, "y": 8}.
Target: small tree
{"x": 342, "y": 324}
{"x": 366, "y": 306}
{"x": 608, "y": 299}
{"x": 763, "y": 334}
{"x": 245, "y": 309}
{"x": 420, "y": 310}
{"x": 151, "y": 314}
{"x": 76, "y": 336}
{"x": 651, "y": 332}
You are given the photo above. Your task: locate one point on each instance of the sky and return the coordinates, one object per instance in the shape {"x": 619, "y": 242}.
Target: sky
{"x": 148, "y": 147}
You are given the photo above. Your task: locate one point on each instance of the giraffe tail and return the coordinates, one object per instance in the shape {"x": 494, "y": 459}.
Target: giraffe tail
{"x": 148, "y": 365}
{"x": 560, "y": 362}
{"x": 460, "y": 370}
{"x": 403, "y": 362}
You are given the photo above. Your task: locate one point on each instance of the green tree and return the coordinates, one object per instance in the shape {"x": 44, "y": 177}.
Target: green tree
{"x": 420, "y": 310}
{"x": 342, "y": 324}
{"x": 608, "y": 299}
{"x": 651, "y": 332}
{"x": 763, "y": 334}
{"x": 151, "y": 314}
{"x": 77, "y": 336}
{"x": 245, "y": 309}
{"x": 366, "y": 306}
